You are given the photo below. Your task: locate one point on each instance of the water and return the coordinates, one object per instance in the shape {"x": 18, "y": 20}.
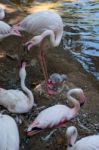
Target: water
{"x": 81, "y": 20}
{"x": 81, "y": 26}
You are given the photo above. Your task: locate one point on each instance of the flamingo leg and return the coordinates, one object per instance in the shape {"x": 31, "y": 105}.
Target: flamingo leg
{"x": 44, "y": 68}
{"x": 43, "y": 64}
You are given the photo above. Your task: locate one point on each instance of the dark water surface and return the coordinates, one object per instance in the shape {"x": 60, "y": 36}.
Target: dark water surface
{"x": 81, "y": 30}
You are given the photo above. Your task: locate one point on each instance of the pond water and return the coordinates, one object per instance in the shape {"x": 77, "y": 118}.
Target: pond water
{"x": 81, "y": 30}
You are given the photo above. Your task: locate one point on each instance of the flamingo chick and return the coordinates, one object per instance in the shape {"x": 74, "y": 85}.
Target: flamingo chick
{"x": 57, "y": 115}
{"x": 9, "y": 134}
{"x": 6, "y": 30}
{"x": 86, "y": 143}
{"x": 2, "y": 13}
{"x": 15, "y": 100}
{"x": 42, "y": 24}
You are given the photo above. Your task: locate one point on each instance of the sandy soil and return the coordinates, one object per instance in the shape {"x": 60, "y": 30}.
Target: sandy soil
{"x": 11, "y": 53}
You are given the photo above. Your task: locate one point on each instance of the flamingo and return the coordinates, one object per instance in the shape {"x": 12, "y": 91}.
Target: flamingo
{"x": 86, "y": 143}
{"x": 42, "y": 24}
{"x": 15, "y": 100}
{"x": 2, "y": 13}
{"x": 57, "y": 115}
{"x": 6, "y": 30}
{"x": 9, "y": 134}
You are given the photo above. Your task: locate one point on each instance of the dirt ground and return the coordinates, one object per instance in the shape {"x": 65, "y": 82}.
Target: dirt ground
{"x": 11, "y": 53}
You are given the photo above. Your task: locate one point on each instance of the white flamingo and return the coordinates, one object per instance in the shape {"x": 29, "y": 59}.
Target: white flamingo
{"x": 42, "y": 24}
{"x": 6, "y": 30}
{"x": 57, "y": 115}
{"x": 15, "y": 100}
{"x": 2, "y": 13}
{"x": 9, "y": 134}
{"x": 86, "y": 143}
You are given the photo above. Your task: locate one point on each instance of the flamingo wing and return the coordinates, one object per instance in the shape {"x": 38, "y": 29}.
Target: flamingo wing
{"x": 4, "y": 28}
{"x": 49, "y": 118}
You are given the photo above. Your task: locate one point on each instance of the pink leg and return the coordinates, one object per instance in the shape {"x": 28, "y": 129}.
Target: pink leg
{"x": 43, "y": 63}
{"x": 44, "y": 68}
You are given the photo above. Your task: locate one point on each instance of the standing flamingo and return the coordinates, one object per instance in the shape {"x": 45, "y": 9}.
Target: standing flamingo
{"x": 6, "y": 30}
{"x": 57, "y": 115}
{"x": 2, "y": 13}
{"x": 86, "y": 143}
{"x": 9, "y": 134}
{"x": 42, "y": 24}
{"x": 15, "y": 100}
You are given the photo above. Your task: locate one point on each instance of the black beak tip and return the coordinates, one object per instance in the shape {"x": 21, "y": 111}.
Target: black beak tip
{"x": 81, "y": 104}
{"x": 70, "y": 145}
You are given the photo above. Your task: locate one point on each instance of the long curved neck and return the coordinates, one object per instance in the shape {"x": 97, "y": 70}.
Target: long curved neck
{"x": 55, "y": 40}
{"x": 76, "y": 104}
{"x": 28, "y": 92}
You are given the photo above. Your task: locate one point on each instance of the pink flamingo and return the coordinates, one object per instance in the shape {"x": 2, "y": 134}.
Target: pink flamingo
{"x": 57, "y": 115}
{"x": 42, "y": 24}
{"x": 2, "y": 13}
{"x": 6, "y": 30}
{"x": 9, "y": 134}
{"x": 86, "y": 143}
{"x": 17, "y": 101}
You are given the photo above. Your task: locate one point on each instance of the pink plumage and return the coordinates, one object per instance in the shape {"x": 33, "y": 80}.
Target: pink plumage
{"x": 57, "y": 115}
{"x": 42, "y": 24}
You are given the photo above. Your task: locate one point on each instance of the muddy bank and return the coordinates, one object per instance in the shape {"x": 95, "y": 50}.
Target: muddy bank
{"x": 11, "y": 53}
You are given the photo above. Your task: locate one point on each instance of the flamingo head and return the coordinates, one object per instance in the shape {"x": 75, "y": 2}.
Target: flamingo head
{"x": 2, "y": 13}
{"x": 33, "y": 129}
{"x": 22, "y": 72}
{"x": 71, "y": 135}
{"x": 34, "y": 41}
{"x": 78, "y": 92}
{"x": 23, "y": 63}
{"x": 15, "y": 32}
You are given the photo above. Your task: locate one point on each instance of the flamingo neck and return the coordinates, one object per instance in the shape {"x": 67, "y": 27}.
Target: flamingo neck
{"x": 28, "y": 92}
{"x": 76, "y": 104}
{"x": 54, "y": 40}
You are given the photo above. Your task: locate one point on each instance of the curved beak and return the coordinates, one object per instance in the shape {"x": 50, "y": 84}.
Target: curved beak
{"x": 82, "y": 99}
{"x": 29, "y": 45}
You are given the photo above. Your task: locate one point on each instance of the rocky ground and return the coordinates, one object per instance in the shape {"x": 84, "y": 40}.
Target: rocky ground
{"x": 11, "y": 53}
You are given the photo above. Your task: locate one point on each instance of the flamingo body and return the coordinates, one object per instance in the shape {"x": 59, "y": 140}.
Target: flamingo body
{"x": 86, "y": 143}
{"x": 54, "y": 116}
{"x": 6, "y": 30}
{"x": 15, "y": 100}
{"x": 9, "y": 134}
{"x": 39, "y": 22}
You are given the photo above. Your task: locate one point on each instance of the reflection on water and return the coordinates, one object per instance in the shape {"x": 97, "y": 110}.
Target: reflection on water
{"x": 81, "y": 26}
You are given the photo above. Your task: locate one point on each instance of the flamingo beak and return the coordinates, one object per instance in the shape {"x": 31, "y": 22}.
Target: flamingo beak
{"x": 82, "y": 99}
{"x": 69, "y": 142}
{"x": 32, "y": 131}
{"x": 29, "y": 45}
{"x": 17, "y": 33}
